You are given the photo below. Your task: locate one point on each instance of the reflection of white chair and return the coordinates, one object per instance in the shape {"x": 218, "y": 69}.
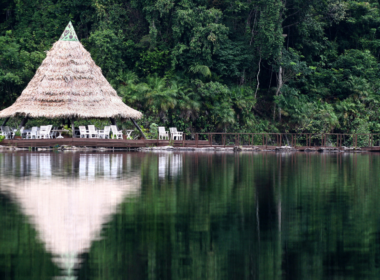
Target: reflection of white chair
{"x": 92, "y": 133}
{"x": 162, "y": 134}
{"x": 115, "y": 132}
{"x": 175, "y": 134}
{"x": 163, "y": 164}
{"x": 105, "y": 133}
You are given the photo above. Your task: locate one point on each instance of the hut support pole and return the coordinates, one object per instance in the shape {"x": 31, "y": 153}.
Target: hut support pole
{"x": 5, "y": 121}
{"x": 139, "y": 129}
{"x": 113, "y": 122}
{"x": 24, "y": 121}
{"x": 72, "y": 128}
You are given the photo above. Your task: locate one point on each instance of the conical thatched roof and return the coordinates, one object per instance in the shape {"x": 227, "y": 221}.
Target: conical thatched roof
{"x": 69, "y": 84}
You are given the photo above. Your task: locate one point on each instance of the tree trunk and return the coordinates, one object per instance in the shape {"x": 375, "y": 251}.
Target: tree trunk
{"x": 258, "y": 81}
{"x": 278, "y": 92}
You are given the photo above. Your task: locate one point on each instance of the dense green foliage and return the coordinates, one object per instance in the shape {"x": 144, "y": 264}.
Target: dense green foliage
{"x": 249, "y": 66}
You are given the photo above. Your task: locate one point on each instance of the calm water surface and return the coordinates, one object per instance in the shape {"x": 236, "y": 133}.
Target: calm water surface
{"x": 189, "y": 216}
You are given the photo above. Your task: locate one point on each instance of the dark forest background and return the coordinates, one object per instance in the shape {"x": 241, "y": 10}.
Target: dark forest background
{"x": 243, "y": 66}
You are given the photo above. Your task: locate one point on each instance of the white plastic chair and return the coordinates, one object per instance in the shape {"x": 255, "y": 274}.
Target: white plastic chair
{"x": 5, "y": 131}
{"x": 175, "y": 134}
{"x": 23, "y": 134}
{"x": 92, "y": 133}
{"x": 44, "y": 132}
{"x": 33, "y": 133}
{"x": 83, "y": 131}
{"x": 162, "y": 134}
{"x": 105, "y": 134}
{"x": 53, "y": 134}
{"x": 115, "y": 132}
{"x": 41, "y": 131}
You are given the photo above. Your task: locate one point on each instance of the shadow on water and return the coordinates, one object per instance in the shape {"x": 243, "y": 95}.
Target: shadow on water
{"x": 189, "y": 216}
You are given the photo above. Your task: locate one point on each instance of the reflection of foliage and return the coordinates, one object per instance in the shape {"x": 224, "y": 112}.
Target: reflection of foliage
{"x": 242, "y": 216}
{"x": 21, "y": 250}
{"x": 220, "y": 217}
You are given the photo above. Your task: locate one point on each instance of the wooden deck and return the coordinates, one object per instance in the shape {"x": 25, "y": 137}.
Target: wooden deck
{"x": 106, "y": 143}
{"x": 130, "y": 144}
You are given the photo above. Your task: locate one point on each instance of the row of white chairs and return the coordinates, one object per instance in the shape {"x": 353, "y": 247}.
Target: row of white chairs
{"x": 174, "y": 134}
{"x": 91, "y": 132}
{"x": 42, "y": 132}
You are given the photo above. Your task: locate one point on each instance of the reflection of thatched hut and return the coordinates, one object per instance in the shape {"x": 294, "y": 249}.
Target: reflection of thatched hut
{"x": 69, "y": 212}
{"x": 68, "y": 84}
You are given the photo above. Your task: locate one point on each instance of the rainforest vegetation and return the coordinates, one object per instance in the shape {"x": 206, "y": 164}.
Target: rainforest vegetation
{"x": 214, "y": 65}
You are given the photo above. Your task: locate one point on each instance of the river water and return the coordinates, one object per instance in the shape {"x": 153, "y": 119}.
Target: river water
{"x": 175, "y": 216}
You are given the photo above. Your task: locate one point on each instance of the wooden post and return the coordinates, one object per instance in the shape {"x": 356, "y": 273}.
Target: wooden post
{"x": 138, "y": 128}
{"x": 5, "y": 121}
{"x": 196, "y": 139}
{"x": 295, "y": 141}
{"x": 72, "y": 128}
{"x": 24, "y": 121}
{"x": 183, "y": 139}
{"x": 280, "y": 139}
{"x": 266, "y": 141}
{"x": 113, "y": 122}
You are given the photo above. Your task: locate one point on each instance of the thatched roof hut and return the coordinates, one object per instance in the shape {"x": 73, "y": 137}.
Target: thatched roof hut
{"x": 69, "y": 84}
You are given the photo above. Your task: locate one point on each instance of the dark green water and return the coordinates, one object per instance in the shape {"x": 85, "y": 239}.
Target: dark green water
{"x": 189, "y": 216}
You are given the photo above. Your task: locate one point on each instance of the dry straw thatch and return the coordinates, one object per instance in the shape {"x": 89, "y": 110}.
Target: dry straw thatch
{"x": 69, "y": 84}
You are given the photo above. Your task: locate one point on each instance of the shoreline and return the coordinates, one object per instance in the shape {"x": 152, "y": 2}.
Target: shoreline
{"x": 282, "y": 149}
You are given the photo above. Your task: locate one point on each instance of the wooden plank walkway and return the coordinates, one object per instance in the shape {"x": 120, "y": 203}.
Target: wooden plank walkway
{"x": 106, "y": 143}
{"x": 127, "y": 144}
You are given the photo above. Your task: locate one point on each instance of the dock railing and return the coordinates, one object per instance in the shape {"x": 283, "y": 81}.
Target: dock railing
{"x": 296, "y": 140}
